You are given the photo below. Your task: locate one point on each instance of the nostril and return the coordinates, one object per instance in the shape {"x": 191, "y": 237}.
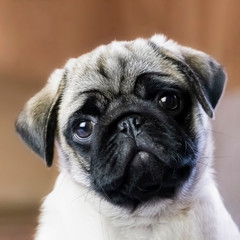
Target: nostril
{"x": 136, "y": 121}
{"x": 123, "y": 126}
{"x": 130, "y": 125}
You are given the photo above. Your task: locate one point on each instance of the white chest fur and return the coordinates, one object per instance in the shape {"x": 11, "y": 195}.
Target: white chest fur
{"x": 73, "y": 212}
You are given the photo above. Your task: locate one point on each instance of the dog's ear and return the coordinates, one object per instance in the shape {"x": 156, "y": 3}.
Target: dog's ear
{"x": 36, "y": 124}
{"x": 210, "y": 77}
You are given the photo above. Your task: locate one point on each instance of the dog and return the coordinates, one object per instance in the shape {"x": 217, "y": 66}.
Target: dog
{"x": 131, "y": 122}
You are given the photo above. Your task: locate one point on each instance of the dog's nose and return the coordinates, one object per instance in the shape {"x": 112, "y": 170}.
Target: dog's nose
{"x": 130, "y": 125}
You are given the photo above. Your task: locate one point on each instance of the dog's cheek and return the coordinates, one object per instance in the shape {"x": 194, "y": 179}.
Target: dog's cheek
{"x": 203, "y": 131}
{"x": 71, "y": 161}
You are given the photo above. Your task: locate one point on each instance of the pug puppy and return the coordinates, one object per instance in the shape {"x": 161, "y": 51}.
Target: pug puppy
{"x": 131, "y": 121}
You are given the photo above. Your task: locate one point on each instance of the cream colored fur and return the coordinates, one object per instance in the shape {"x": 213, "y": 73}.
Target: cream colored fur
{"x": 73, "y": 211}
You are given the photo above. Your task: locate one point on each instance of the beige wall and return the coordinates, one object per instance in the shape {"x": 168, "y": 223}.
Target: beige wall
{"x": 38, "y": 36}
{"x": 226, "y": 132}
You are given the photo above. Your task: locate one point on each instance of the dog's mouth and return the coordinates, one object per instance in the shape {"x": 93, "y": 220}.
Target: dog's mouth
{"x": 145, "y": 177}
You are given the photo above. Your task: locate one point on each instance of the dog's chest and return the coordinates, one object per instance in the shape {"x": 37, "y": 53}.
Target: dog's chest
{"x": 178, "y": 228}
{"x": 75, "y": 216}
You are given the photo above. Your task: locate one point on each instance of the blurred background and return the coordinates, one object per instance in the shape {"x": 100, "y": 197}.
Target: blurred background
{"x": 38, "y": 36}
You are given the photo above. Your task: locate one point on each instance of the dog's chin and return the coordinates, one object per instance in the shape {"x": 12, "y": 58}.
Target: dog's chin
{"x": 145, "y": 178}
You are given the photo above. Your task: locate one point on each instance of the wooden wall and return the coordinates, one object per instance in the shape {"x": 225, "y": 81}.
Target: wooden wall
{"x": 39, "y": 35}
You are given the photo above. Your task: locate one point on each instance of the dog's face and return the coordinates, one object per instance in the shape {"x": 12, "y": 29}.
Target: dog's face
{"x": 129, "y": 118}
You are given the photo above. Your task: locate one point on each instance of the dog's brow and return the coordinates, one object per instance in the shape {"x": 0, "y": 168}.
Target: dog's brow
{"x": 96, "y": 93}
{"x": 93, "y": 91}
{"x": 154, "y": 81}
{"x": 159, "y": 74}
{"x": 144, "y": 76}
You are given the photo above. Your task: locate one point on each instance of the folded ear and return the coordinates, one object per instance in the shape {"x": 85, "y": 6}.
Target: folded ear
{"x": 210, "y": 77}
{"x": 36, "y": 124}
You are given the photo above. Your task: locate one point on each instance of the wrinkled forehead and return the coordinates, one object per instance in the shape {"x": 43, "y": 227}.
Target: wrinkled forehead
{"x": 113, "y": 69}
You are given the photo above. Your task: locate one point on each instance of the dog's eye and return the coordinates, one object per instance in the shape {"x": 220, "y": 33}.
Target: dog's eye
{"x": 170, "y": 102}
{"x": 84, "y": 129}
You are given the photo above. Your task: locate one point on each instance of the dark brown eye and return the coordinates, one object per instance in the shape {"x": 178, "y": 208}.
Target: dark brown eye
{"x": 170, "y": 102}
{"x": 84, "y": 129}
